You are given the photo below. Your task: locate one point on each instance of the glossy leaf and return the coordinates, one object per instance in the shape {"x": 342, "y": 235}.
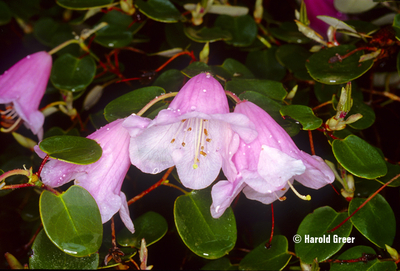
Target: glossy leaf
{"x": 337, "y": 72}
{"x": 294, "y": 58}
{"x": 269, "y": 88}
{"x": 150, "y": 226}
{"x": 274, "y": 258}
{"x": 83, "y": 4}
{"x": 72, "y": 74}
{"x": 264, "y": 65}
{"x": 5, "y": 13}
{"x": 357, "y": 252}
{"x": 72, "y": 221}
{"x": 359, "y": 158}
{"x": 354, "y": 6}
{"x": 131, "y": 102}
{"x": 367, "y": 112}
{"x": 303, "y": 114}
{"x": 237, "y": 69}
{"x": 45, "y": 29}
{"x": 324, "y": 92}
{"x": 289, "y": 32}
{"x": 195, "y": 68}
{"x": 170, "y": 80}
{"x": 375, "y": 220}
{"x": 205, "y": 34}
{"x": 220, "y": 264}
{"x": 45, "y": 255}
{"x": 243, "y": 29}
{"x": 160, "y": 10}
{"x": 316, "y": 225}
{"x": 393, "y": 171}
{"x": 72, "y": 149}
{"x": 207, "y": 237}
{"x": 112, "y": 36}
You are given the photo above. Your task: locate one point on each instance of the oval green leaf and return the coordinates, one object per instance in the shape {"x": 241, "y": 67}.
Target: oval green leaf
{"x": 195, "y": 68}
{"x": 45, "y": 255}
{"x": 303, "y": 114}
{"x": 131, "y": 102}
{"x": 207, "y": 237}
{"x": 338, "y": 72}
{"x": 264, "y": 65}
{"x": 359, "y": 158}
{"x": 160, "y": 10}
{"x": 72, "y": 221}
{"x": 72, "y": 149}
{"x": 269, "y": 88}
{"x": 261, "y": 258}
{"x": 289, "y": 32}
{"x": 206, "y": 34}
{"x": 294, "y": 57}
{"x": 151, "y": 226}
{"x": 314, "y": 241}
{"x": 357, "y": 252}
{"x": 170, "y": 80}
{"x": 83, "y": 4}
{"x": 393, "y": 171}
{"x": 243, "y": 29}
{"x": 71, "y": 73}
{"x": 112, "y": 36}
{"x": 366, "y": 111}
{"x": 375, "y": 220}
{"x": 5, "y": 13}
{"x": 237, "y": 69}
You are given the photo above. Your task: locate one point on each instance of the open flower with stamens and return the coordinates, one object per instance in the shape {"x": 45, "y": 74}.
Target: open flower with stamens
{"x": 103, "y": 179}
{"x": 21, "y": 90}
{"x": 266, "y": 168}
{"x": 193, "y": 134}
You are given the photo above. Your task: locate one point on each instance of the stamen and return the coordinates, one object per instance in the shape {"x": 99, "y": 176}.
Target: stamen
{"x": 208, "y": 139}
{"x": 279, "y": 198}
{"x": 10, "y": 129}
{"x": 178, "y": 130}
{"x": 205, "y": 132}
{"x": 173, "y": 140}
{"x": 308, "y": 197}
{"x": 197, "y": 144}
{"x": 203, "y": 153}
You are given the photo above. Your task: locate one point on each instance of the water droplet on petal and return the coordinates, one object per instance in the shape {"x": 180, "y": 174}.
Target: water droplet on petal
{"x": 269, "y": 191}
{"x": 208, "y": 75}
{"x": 156, "y": 170}
{"x": 28, "y": 57}
{"x": 230, "y": 153}
{"x": 204, "y": 90}
{"x": 279, "y": 141}
{"x": 270, "y": 136}
{"x": 193, "y": 108}
{"x": 108, "y": 129}
{"x": 244, "y": 153}
{"x": 217, "y": 209}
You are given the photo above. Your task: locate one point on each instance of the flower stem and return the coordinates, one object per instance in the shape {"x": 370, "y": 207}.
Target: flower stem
{"x": 62, "y": 45}
{"x": 268, "y": 245}
{"x": 233, "y": 96}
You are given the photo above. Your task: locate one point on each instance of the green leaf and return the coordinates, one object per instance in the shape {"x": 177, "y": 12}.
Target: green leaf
{"x": 237, "y": 69}
{"x": 220, "y": 264}
{"x": 269, "y": 88}
{"x": 112, "y": 36}
{"x": 24, "y": 9}
{"x": 354, "y": 6}
{"x": 357, "y": 252}
{"x": 261, "y": 258}
{"x": 264, "y": 65}
{"x": 195, "y": 68}
{"x": 57, "y": 131}
{"x": 375, "y": 220}
{"x": 315, "y": 226}
{"x": 5, "y": 13}
{"x": 150, "y": 226}
{"x": 324, "y": 92}
{"x": 303, "y": 114}
{"x": 294, "y": 57}
{"x": 359, "y": 158}
{"x": 131, "y": 102}
{"x": 393, "y": 171}
{"x": 83, "y": 4}
{"x": 47, "y": 256}
{"x": 72, "y": 221}
{"x": 170, "y": 80}
{"x": 160, "y": 10}
{"x": 72, "y": 74}
{"x": 207, "y": 237}
{"x": 206, "y": 34}
{"x": 367, "y": 112}
{"x": 289, "y": 32}
{"x": 243, "y": 29}
{"x": 337, "y": 72}
{"x": 72, "y": 149}
{"x": 45, "y": 29}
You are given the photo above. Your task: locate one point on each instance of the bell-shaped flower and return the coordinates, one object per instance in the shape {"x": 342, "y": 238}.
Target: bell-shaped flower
{"x": 322, "y": 7}
{"x": 21, "y": 90}
{"x": 193, "y": 134}
{"x": 265, "y": 168}
{"x": 102, "y": 179}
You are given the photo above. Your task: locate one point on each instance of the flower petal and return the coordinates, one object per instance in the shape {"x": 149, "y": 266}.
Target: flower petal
{"x": 223, "y": 193}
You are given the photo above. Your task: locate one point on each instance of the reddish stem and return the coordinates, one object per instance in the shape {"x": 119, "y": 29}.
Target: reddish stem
{"x": 365, "y": 202}
{"x": 175, "y": 56}
{"x": 311, "y": 142}
{"x": 33, "y": 237}
{"x": 42, "y": 165}
{"x": 151, "y": 188}
{"x": 268, "y": 245}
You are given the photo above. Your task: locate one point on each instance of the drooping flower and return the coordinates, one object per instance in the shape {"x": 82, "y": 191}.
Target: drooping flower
{"x": 102, "y": 179}
{"x": 322, "y": 7}
{"x": 21, "y": 90}
{"x": 265, "y": 168}
{"x": 193, "y": 134}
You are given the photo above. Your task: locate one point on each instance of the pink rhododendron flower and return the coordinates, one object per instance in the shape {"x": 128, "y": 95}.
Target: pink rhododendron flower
{"x": 265, "y": 168}
{"x": 193, "y": 134}
{"x": 322, "y": 7}
{"x": 21, "y": 90}
{"x": 103, "y": 179}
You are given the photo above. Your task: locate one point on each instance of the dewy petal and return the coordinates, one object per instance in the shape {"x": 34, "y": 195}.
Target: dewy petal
{"x": 194, "y": 134}
{"x": 103, "y": 179}
{"x": 223, "y": 193}
{"x": 317, "y": 173}
{"x": 24, "y": 85}
{"x": 265, "y": 198}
